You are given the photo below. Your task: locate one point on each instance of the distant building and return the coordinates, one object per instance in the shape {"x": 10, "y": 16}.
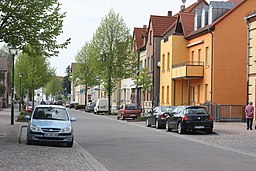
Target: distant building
{"x": 4, "y": 71}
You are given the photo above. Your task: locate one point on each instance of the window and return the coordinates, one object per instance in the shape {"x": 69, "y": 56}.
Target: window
{"x": 145, "y": 63}
{"x": 199, "y": 56}
{"x": 192, "y": 56}
{"x": 198, "y": 94}
{"x": 163, "y": 62}
{"x": 150, "y": 37}
{"x": 152, "y": 63}
{"x": 163, "y": 94}
{"x": 167, "y": 98}
{"x": 206, "y": 56}
{"x": 206, "y": 92}
{"x": 148, "y": 64}
{"x": 168, "y": 61}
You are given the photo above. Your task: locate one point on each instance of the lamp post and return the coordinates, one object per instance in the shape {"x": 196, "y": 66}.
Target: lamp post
{"x": 21, "y": 98}
{"x": 13, "y": 52}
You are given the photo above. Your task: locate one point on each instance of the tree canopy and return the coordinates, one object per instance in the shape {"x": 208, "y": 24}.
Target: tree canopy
{"x": 113, "y": 58}
{"x": 35, "y": 69}
{"x": 53, "y": 87}
{"x": 36, "y": 22}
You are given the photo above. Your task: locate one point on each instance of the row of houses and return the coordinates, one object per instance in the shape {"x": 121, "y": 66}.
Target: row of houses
{"x": 205, "y": 54}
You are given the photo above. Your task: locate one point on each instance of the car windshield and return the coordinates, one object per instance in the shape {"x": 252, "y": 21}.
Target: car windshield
{"x": 131, "y": 107}
{"x": 50, "y": 113}
{"x": 195, "y": 111}
{"x": 167, "y": 109}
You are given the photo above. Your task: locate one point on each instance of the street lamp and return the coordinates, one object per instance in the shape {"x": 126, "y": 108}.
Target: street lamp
{"x": 13, "y": 51}
{"x": 21, "y": 98}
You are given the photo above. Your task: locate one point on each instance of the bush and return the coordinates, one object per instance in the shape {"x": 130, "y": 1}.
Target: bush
{"x": 141, "y": 118}
{"x": 21, "y": 117}
{"x": 79, "y": 107}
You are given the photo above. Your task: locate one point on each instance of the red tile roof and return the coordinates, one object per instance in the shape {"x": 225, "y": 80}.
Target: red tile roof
{"x": 193, "y": 6}
{"x": 138, "y": 36}
{"x": 187, "y": 20}
{"x": 161, "y": 23}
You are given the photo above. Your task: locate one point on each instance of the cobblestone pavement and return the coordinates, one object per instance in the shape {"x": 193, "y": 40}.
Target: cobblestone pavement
{"x": 21, "y": 157}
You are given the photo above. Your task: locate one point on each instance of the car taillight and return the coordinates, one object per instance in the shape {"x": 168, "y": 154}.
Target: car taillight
{"x": 210, "y": 118}
{"x": 184, "y": 118}
{"x": 163, "y": 116}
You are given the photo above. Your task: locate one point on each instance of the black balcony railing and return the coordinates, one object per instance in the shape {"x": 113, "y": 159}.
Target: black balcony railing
{"x": 196, "y": 63}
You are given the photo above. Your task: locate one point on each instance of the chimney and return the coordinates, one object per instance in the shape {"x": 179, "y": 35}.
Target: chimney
{"x": 169, "y": 13}
{"x": 144, "y": 26}
{"x": 182, "y": 8}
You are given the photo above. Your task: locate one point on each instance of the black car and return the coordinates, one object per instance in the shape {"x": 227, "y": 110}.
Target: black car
{"x": 158, "y": 116}
{"x": 190, "y": 118}
{"x": 90, "y": 106}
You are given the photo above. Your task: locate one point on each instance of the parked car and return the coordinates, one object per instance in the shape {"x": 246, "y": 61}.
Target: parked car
{"x": 90, "y": 106}
{"x": 128, "y": 111}
{"x": 158, "y": 116}
{"x": 50, "y": 123}
{"x": 72, "y": 104}
{"x": 190, "y": 118}
{"x": 101, "y": 106}
{"x": 29, "y": 106}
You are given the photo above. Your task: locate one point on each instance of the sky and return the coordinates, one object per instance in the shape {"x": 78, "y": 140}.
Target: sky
{"x": 84, "y": 17}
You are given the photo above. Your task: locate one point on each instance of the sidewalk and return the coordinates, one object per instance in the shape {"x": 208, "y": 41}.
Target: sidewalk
{"x": 9, "y": 133}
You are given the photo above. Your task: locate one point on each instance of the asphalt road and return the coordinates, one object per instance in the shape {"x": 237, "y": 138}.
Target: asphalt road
{"x": 120, "y": 145}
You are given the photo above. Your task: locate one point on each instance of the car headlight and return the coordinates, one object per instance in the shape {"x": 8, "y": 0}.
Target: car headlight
{"x": 34, "y": 128}
{"x": 67, "y": 130}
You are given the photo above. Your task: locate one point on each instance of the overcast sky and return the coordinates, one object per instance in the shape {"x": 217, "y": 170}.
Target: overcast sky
{"x": 84, "y": 16}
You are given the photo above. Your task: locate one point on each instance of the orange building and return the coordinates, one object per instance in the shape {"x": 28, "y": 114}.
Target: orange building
{"x": 210, "y": 61}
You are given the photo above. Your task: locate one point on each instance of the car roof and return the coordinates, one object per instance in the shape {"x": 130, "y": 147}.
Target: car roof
{"x": 51, "y": 106}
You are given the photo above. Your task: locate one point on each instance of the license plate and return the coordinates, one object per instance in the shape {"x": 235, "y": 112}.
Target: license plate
{"x": 132, "y": 115}
{"x": 199, "y": 127}
{"x": 50, "y": 135}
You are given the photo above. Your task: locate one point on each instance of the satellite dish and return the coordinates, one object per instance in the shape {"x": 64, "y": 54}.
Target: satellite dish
{"x": 184, "y": 1}
{"x": 158, "y": 64}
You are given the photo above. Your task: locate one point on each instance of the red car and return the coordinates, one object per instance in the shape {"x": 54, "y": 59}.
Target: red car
{"x": 129, "y": 111}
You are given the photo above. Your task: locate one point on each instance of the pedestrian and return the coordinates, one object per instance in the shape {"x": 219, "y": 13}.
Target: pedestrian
{"x": 42, "y": 102}
{"x": 249, "y": 111}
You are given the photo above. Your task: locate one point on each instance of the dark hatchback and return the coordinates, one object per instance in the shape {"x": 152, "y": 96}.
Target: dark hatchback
{"x": 158, "y": 116}
{"x": 90, "y": 106}
{"x": 190, "y": 118}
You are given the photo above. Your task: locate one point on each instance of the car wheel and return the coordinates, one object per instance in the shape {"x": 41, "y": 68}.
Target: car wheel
{"x": 180, "y": 129}
{"x": 209, "y": 131}
{"x": 117, "y": 117}
{"x": 29, "y": 142}
{"x": 147, "y": 123}
{"x": 167, "y": 128}
{"x": 70, "y": 144}
{"x": 157, "y": 124}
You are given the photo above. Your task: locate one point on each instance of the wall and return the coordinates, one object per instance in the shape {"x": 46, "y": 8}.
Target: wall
{"x": 230, "y": 49}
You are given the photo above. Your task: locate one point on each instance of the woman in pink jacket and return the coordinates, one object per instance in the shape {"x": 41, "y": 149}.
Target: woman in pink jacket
{"x": 249, "y": 110}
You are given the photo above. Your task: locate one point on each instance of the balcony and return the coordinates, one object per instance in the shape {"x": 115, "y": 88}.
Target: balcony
{"x": 191, "y": 69}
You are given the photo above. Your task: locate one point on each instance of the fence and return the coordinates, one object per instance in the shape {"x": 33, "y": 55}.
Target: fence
{"x": 227, "y": 113}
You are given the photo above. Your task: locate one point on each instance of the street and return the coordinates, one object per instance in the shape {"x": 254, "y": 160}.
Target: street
{"x": 104, "y": 143}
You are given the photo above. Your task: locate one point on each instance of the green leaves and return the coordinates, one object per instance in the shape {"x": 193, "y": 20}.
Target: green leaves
{"x": 36, "y": 22}
{"x": 34, "y": 68}
{"x": 143, "y": 80}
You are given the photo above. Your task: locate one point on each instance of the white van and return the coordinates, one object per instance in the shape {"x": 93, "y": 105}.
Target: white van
{"x": 101, "y": 106}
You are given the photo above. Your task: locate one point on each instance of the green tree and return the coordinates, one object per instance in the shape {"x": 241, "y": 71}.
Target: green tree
{"x": 144, "y": 81}
{"x": 84, "y": 73}
{"x": 66, "y": 83}
{"x": 35, "y": 69}
{"x": 34, "y": 22}
{"x": 113, "y": 58}
{"x": 53, "y": 87}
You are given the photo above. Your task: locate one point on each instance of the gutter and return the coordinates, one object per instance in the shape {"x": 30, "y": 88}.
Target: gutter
{"x": 212, "y": 55}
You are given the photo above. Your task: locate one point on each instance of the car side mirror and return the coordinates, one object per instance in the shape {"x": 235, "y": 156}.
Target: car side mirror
{"x": 72, "y": 119}
{"x": 27, "y": 117}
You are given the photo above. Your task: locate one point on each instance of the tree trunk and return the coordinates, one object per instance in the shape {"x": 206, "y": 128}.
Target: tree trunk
{"x": 85, "y": 94}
